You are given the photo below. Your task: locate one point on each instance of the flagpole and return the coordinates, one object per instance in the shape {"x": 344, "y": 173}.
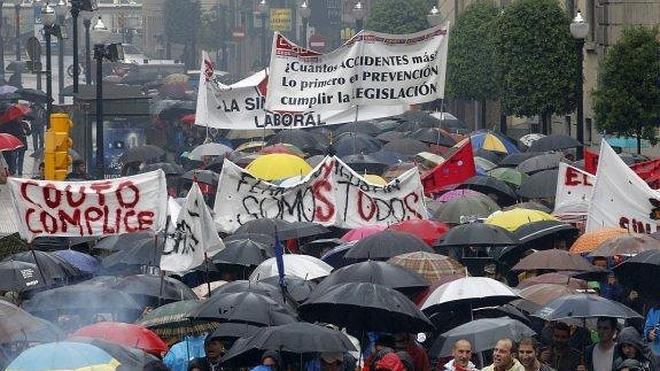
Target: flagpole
{"x": 208, "y": 281}
{"x": 357, "y": 111}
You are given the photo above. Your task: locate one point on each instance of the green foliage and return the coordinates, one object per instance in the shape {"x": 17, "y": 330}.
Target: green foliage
{"x": 213, "y": 32}
{"x": 182, "y": 18}
{"x": 471, "y": 59}
{"x": 537, "y": 59}
{"x": 10, "y": 245}
{"x": 626, "y": 101}
{"x": 398, "y": 16}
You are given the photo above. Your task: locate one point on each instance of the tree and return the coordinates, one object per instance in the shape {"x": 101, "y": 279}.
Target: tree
{"x": 471, "y": 58}
{"x": 628, "y": 92}
{"x": 398, "y": 16}
{"x": 213, "y": 33}
{"x": 182, "y": 18}
{"x": 537, "y": 60}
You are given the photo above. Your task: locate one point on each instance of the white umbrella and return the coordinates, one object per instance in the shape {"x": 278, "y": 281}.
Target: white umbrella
{"x": 474, "y": 292}
{"x": 528, "y": 139}
{"x": 303, "y": 266}
{"x": 209, "y": 149}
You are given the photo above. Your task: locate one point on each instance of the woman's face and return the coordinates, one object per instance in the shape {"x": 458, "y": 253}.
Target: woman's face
{"x": 629, "y": 351}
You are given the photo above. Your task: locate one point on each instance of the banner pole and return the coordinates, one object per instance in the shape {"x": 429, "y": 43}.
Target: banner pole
{"x": 357, "y": 111}
{"x": 208, "y": 280}
{"x": 162, "y": 284}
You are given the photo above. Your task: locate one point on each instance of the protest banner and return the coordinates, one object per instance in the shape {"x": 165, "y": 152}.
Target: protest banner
{"x": 574, "y": 188}
{"x": 332, "y": 194}
{"x": 191, "y": 234}
{"x": 456, "y": 169}
{"x": 240, "y": 106}
{"x": 90, "y": 208}
{"x": 369, "y": 69}
{"x": 621, "y": 198}
{"x": 649, "y": 171}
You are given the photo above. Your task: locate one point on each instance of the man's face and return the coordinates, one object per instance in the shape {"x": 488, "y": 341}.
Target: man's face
{"x": 462, "y": 353}
{"x": 270, "y": 362}
{"x": 526, "y": 355}
{"x": 560, "y": 338}
{"x": 629, "y": 351}
{"x": 605, "y": 330}
{"x": 601, "y": 263}
{"x": 502, "y": 354}
{"x": 215, "y": 349}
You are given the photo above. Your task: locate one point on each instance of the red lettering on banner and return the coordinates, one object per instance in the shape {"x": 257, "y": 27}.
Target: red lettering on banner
{"x": 99, "y": 187}
{"x": 69, "y": 196}
{"x": 89, "y": 218}
{"x": 145, "y": 220}
{"x": 73, "y": 219}
{"x": 360, "y": 206}
{"x": 24, "y": 191}
{"x": 573, "y": 178}
{"x": 120, "y": 196}
{"x": 409, "y": 207}
{"x": 635, "y": 226}
{"x": 48, "y": 196}
{"x": 326, "y": 210}
{"x": 44, "y": 216}
{"x": 106, "y": 216}
{"x": 29, "y": 212}
{"x": 128, "y": 227}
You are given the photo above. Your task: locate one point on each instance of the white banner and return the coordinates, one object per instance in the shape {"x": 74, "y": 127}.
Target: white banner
{"x": 191, "y": 234}
{"x": 370, "y": 69}
{"x": 621, "y": 198}
{"x": 332, "y": 194}
{"x": 240, "y": 106}
{"x": 574, "y": 188}
{"x": 90, "y": 208}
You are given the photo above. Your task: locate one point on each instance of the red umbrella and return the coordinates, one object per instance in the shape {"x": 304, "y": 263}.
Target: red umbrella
{"x": 9, "y": 142}
{"x": 362, "y": 232}
{"x": 188, "y": 119}
{"x": 13, "y": 112}
{"x": 428, "y": 230}
{"x": 126, "y": 334}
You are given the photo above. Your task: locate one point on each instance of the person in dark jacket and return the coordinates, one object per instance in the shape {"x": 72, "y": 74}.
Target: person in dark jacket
{"x": 631, "y": 346}
{"x": 215, "y": 349}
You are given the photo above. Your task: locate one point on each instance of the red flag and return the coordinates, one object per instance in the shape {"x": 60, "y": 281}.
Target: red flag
{"x": 590, "y": 161}
{"x": 458, "y": 168}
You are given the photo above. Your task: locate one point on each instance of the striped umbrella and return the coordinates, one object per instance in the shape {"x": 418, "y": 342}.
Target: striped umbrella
{"x": 170, "y": 321}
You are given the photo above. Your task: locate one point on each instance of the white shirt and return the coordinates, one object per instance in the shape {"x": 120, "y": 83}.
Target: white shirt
{"x": 603, "y": 359}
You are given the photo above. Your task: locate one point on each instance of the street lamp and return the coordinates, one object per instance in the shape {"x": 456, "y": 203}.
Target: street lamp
{"x": 358, "y": 13}
{"x": 60, "y": 12}
{"x": 263, "y": 10}
{"x": 112, "y": 53}
{"x": 579, "y": 30}
{"x": 99, "y": 25}
{"x": 17, "y": 11}
{"x": 48, "y": 18}
{"x": 305, "y": 13}
{"x": 76, "y": 7}
{"x": 434, "y": 16}
{"x": 87, "y": 23}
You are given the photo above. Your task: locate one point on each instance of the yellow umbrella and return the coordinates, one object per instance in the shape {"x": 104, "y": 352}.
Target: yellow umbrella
{"x": 375, "y": 179}
{"x": 516, "y": 218}
{"x": 278, "y": 166}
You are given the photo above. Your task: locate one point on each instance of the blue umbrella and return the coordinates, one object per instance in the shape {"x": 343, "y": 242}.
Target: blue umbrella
{"x": 7, "y": 89}
{"x": 84, "y": 262}
{"x": 63, "y": 356}
{"x": 626, "y": 142}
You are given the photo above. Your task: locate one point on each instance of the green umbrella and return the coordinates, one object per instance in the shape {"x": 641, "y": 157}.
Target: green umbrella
{"x": 511, "y": 176}
{"x": 170, "y": 321}
{"x": 465, "y": 209}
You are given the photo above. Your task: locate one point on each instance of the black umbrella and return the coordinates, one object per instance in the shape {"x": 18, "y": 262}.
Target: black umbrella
{"x": 368, "y": 128}
{"x": 540, "y": 185}
{"x": 271, "y": 291}
{"x": 483, "y": 334}
{"x": 516, "y": 159}
{"x": 504, "y": 310}
{"x": 167, "y": 167}
{"x": 413, "y": 120}
{"x": 365, "y": 164}
{"x": 637, "y": 271}
{"x": 305, "y": 141}
{"x": 269, "y": 226}
{"x": 352, "y": 144}
{"x": 243, "y": 307}
{"x": 389, "y": 157}
{"x": 32, "y": 95}
{"x": 406, "y": 146}
{"x": 382, "y": 273}
{"x": 19, "y": 276}
{"x": 307, "y": 229}
{"x": 461, "y": 210}
{"x": 89, "y": 298}
{"x": 386, "y": 244}
{"x": 123, "y": 241}
{"x": 176, "y": 109}
{"x": 584, "y": 306}
{"x": 299, "y": 289}
{"x": 535, "y": 164}
{"x": 233, "y": 331}
{"x": 432, "y": 136}
{"x": 129, "y": 358}
{"x": 365, "y": 306}
{"x": 141, "y": 154}
{"x": 494, "y": 157}
{"x": 478, "y": 234}
{"x": 145, "y": 252}
{"x": 298, "y": 338}
{"x": 53, "y": 268}
{"x": 489, "y": 185}
{"x": 203, "y": 176}
{"x": 535, "y": 230}
{"x": 245, "y": 253}
{"x": 319, "y": 247}
{"x": 155, "y": 288}
{"x": 261, "y": 238}
{"x": 389, "y": 136}
{"x": 554, "y": 142}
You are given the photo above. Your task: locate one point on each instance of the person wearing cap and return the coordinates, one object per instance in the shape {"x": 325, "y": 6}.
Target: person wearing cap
{"x": 215, "y": 349}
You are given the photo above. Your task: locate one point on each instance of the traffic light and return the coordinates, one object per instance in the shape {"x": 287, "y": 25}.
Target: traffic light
{"x": 57, "y": 145}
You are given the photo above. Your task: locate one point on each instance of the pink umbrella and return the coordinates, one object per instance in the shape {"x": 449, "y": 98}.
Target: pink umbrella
{"x": 360, "y": 233}
{"x": 457, "y": 193}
